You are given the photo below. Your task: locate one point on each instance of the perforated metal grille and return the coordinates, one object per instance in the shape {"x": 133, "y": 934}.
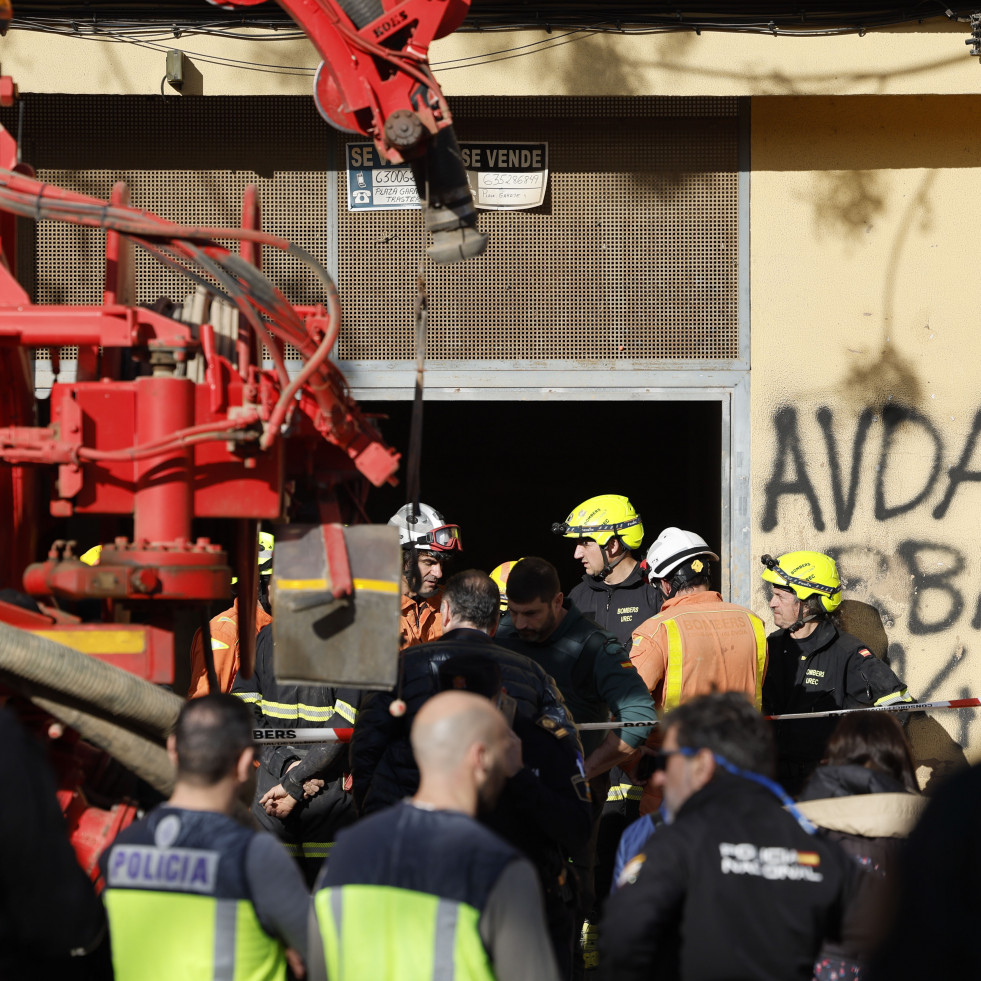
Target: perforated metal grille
{"x": 188, "y": 160}
{"x": 632, "y": 256}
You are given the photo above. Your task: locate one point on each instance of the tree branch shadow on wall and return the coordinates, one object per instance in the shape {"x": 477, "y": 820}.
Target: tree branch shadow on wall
{"x": 846, "y": 203}
{"x": 932, "y": 746}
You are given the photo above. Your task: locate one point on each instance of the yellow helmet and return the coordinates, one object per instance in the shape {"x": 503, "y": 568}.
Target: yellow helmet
{"x": 807, "y": 574}
{"x": 267, "y": 542}
{"x": 500, "y": 576}
{"x": 92, "y": 556}
{"x": 601, "y": 518}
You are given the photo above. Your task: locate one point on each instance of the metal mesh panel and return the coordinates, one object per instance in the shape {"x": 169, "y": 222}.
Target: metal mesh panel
{"x": 188, "y": 160}
{"x": 632, "y": 256}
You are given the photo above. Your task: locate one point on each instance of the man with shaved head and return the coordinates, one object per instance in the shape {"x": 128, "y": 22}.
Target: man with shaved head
{"x": 422, "y": 889}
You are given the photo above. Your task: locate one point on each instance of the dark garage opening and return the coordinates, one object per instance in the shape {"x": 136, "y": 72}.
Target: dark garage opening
{"x": 506, "y": 470}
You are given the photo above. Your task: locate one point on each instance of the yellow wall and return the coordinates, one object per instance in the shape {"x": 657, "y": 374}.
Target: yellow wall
{"x": 865, "y": 348}
{"x": 917, "y": 59}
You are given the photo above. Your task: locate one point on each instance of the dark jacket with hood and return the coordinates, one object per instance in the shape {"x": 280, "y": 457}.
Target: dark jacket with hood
{"x": 869, "y": 813}
{"x": 383, "y": 767}
{"x": 619, "y": 607}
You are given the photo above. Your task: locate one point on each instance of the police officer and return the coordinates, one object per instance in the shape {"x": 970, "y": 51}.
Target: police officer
{"x": 814, "y": 665}
{"x": 190, "y": 892}
{"x": 421, "y": 890}
{"x": 383, "y": 767}
{"x": 544, "y": 808}
{"x": 614, "y": 590}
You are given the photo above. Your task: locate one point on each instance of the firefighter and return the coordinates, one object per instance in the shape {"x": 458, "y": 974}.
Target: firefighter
{"x": 307, "y": 829}
{"x": 192, "y": 893}
{"x": 614, "y": 590}
{"x": 428, "y": 543}
{"x": 224, "y": 633}
{"x": 698, "y": 643}
{"x": 814, "y": 666}
{"x": 421, "y": 890}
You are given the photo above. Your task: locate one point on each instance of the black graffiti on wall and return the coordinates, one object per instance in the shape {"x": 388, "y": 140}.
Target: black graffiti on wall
{"x": 791, "y": 477}
{"x": 935, "y": 592}
{"x": 933, "y": 595}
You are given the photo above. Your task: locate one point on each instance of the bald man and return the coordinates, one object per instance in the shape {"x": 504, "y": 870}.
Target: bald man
{"x": 422, "y": 888}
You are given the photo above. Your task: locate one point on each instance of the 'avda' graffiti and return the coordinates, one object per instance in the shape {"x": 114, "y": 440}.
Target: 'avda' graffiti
{"x": 790, "y": 474}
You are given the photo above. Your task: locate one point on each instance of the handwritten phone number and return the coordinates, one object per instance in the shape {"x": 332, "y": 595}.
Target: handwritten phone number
{"x": 399, "y": 175}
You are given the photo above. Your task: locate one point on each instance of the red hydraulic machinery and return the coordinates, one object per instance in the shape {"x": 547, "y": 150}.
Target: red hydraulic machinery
{"x": 173, "y": 421}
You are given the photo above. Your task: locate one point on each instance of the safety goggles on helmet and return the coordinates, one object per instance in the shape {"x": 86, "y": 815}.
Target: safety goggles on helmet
{"x": 445, "y": 538}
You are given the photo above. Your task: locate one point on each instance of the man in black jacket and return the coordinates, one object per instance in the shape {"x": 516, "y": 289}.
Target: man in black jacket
{"x": 382, "y": 765}
{"x": 814, "y": 665}
{"x": 734, "y": 886}
{"x": 614, "y": 591}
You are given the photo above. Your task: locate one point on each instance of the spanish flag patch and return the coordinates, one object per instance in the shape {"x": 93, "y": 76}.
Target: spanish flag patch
{"x": 808, "y": 858}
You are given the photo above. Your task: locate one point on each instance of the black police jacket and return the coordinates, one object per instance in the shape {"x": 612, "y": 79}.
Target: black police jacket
{"x": 733, "y": 888}
{"x": 619, "y": 607}
{"x": 382, "y": 765}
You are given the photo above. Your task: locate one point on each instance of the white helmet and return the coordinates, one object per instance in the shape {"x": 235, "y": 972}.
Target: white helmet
{"x": 673, "y": 549}
{"x": 426, "y": 529}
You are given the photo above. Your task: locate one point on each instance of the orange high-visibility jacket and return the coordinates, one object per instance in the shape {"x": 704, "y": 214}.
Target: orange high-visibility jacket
{"x": 224, "y": 647}
{"x": 420, "y": 621}
{"x": 697, "y": 644}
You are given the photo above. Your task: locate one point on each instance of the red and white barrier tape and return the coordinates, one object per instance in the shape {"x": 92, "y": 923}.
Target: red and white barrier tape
{"x": 953, "y": 703}
{"x": 284, "y": 737}
{"x": 289, "y": 737}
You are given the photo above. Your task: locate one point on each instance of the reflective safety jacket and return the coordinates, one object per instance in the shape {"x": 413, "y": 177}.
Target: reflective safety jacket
{"x": 419, "y": 621}
{"x": 827, "y": 670}
{"x": 224, "y": 650}
{"x": 195, "y": 895}
{"x": 308, "y": 832}
{"x": 697, "y": 644}
{"x": 404, "y": 897}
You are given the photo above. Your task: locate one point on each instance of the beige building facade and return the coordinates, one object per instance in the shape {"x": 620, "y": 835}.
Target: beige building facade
{"x": 852, "y": 421}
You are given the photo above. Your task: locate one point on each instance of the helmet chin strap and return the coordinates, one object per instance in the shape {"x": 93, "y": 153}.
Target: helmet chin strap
{"x": 608, "y": 567}
{"x": 801, "y": 620}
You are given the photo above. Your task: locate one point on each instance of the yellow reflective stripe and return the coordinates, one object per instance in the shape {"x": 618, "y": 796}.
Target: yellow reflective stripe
{"x": 227, "y": 620}
{"x": 218, "y": 645}
{"x": 760, "y": 631}
{"x": 121, "y": 640}
{"x": 377, "y": 586}
{"x": 896, "y": 696}
{"x": 348, "y": 712}
{"x": 672, "y": 678}
{"x": 316, "y": 849}
{"x": 286, "y": 710}
{"x": 248, "y": 696}
{"x": 624, "y": 791}
{"x": 293, "y": 584}
{"x": 294, "y": 848}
